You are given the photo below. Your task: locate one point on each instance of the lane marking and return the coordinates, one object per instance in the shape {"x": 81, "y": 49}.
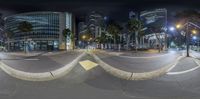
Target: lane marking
{"x": 87, "y": 64}
{"x": 178, "y": 59}
{"x": 31, "y": 59}
{"x": 182, "y": 72}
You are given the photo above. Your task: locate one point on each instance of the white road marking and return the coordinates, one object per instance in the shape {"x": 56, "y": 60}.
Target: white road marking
{"x": 31, "y": 59}
{"x": 174, "y": 64}
{"x": 185, "y": 71}
{"x": 182, "y": 72}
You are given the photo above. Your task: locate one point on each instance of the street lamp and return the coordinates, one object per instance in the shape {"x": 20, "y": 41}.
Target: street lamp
{"x": 83, "y": 37}
{"x": 194, "y": 31}
{"x": 194, "y": 37}
{"x": 178, "y": 26}
{"x": 90, "y": 38}
{"x": 171, "y": 28}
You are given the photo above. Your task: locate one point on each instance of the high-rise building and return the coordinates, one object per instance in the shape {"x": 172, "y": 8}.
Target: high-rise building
{"x": 153, "y": 18}
{"x": 46, "y": 31}
{"x": 132, "y": 14}
{"x": 95, "y": 22}
{"x": 82, "y": 27}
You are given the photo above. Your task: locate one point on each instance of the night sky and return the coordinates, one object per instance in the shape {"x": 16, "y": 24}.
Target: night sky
{"x": 115, "y": 9}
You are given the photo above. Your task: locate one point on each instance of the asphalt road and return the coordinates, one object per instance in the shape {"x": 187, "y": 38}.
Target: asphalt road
{"x": 97, "y": 84}
{"x": 138, "y": 65}
{"x": 39, "y": 63}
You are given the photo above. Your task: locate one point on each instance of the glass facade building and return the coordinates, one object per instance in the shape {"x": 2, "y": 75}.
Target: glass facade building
{"x": 46, "y": 31}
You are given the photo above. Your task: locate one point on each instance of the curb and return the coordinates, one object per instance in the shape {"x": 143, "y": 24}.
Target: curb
{"x": 45, "y": 76}
{"x": 135, "y": 76}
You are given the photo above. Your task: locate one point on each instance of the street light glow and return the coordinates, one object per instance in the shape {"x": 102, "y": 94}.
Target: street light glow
{"x": 194, "y": 37}
{"x": 194, "y": 31}
{"x": 178, "y": 26}
{"x": 83, "y": 37}
{"x": 171, "y": 28}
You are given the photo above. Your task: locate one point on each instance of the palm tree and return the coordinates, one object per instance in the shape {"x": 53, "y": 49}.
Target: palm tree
{"x": 134, "y": 26}
{"x": 25, "y": 27}
{"x": 66, "y": 33}
{"x": 103, "y": 39}
{"x": 114, "y": 29}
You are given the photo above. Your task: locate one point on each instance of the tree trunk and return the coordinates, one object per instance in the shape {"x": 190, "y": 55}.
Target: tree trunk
{"x": 128, "y": 41}
{"x": 115, "y": 42}
{"x": 136, "y": 41}
{"x": 119, "y": 47}
{"x": 165, "y": 41}
{"x": 8, "y": 45}
{"x": 159, "y": 42}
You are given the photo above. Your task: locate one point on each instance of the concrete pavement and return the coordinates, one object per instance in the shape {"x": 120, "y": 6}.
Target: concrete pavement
{"x": 43, "y": 76}
{"x": 97, "y": 84}
{"x": 38, "y": 64}
{"x": 138, "y": 65}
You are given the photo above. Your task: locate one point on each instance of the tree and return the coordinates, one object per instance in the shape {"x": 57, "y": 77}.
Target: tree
{"x": 66, "y": 33}
{"x": 25, "y": 27}
{"x": 86, "y": 36}
{"x": 134, "y": 26}
{"x": 103, "y": 39}
{"x": 157, "y": 29}
{"x": 187, "y": 16}
{"x": 114, "y": 29}
{"x": 8, "y": 35}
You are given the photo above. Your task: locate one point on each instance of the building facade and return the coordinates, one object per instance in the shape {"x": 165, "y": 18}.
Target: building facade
{"x": 46, "y": 31}
{"x": 95, "y": 22}
{"x": 154, "y": 18}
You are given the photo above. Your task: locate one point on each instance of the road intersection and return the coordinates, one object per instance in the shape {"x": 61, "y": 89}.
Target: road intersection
{"x": 92, "y": 83}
